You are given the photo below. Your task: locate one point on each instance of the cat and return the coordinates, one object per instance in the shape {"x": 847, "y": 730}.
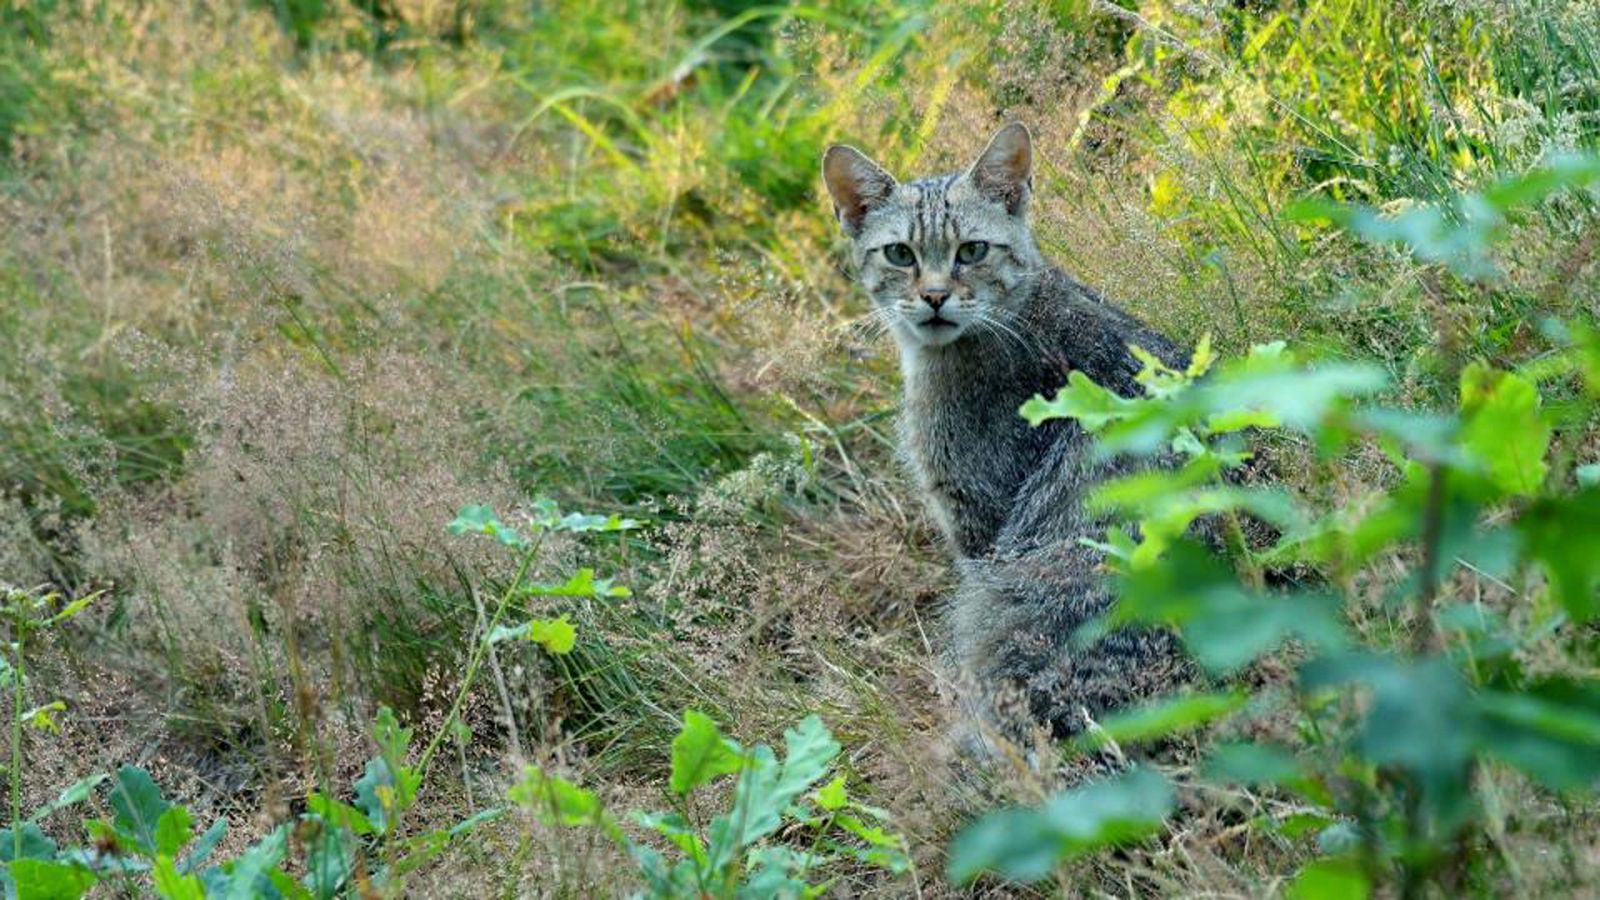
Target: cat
{"x": 984, "y": 322}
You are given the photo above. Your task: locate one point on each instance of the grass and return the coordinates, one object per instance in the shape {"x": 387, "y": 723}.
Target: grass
{"x": 283, "y": 285}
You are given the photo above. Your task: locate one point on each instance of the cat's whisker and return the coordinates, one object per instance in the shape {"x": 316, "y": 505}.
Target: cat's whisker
{"x": 1004, "y": 332}
{"x": 871, "y": 325}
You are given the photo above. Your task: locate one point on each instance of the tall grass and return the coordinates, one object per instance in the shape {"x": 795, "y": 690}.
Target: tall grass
{"x": 282, "y": 285}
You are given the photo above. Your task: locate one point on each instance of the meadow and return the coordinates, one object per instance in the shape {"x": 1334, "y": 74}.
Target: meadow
{"x": 434, "y": 433}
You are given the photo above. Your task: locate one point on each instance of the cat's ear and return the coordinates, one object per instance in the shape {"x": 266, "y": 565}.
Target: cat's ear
{"x": 857, "y": 184}
{"x": 1004, "y": 171}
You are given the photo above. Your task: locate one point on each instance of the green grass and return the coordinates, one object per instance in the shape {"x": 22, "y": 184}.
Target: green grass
{"x": 283, "y": 286}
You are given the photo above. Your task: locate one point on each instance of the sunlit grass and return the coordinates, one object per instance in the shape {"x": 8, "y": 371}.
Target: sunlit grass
{"x": 282, "y": 285}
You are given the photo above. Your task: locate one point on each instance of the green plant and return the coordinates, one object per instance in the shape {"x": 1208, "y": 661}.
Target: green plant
{"x": 733, "y": 855}
{"x": 26, "y": 612}
{"x": 1404, "y": 709}
{"x": 149, "y": 842}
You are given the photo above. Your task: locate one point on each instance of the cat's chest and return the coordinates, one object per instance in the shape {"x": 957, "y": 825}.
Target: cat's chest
{"x": 965, "y": 432}
{"x": 961, "y": 412}
{"x": 969, "y": 450}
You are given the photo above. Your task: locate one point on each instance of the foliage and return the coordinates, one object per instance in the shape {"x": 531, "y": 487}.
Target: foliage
{"x": 361, "y": 845}
{"x": 27, "y": 612}
{"x": 733, "y": 856}
{"x": 1395, "y": 734}
{"x": 151, "y": 842}
{"x": 284, "y": 283}
{"x": 1028, "y": 844}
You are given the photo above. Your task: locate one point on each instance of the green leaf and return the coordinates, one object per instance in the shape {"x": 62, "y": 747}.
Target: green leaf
{"x": 71, "y": 610}
{"x": 1222, "y": 623}
{"x": 416, "y": 852}
{"x": 387, "y": 733}
{"x": 1252, "y": 764}
{"x": 1422, "y": 435}
{"x": 811, "y": 750}
{"x": 1503, "y": 428}
{"x": 1167, "y": 503}
{"x": 201, "y": 851}
{"x": 1460, "y": 234}
{"x": 1162, "y": 718}
{"x": 1426, "y": 230}
{"x": 582, "y": 522}
{"x": 1264, "y": 387}
{"x": 173, "y": 830}
{"x": 285, "y": 885}
{"x": 581, "y": 584}
{"x": 1340, "y": 878}
{"x": 700, "y": 753}
{"x": 138, "y": 806}
{"x": 1142, "y": 490}
{"x": 678, "y": 881}
{"x": 383, "y": 792}
{"x": 1563, "y": 535}
{"x": 1554, "y": 173}
{"x": 42, "y": 718}
{"x": 765, "y": 789}
{"x": 1259, "y": 764}
{"x": 1297, "y": 825}
{"x": 556, "y": 635}
{"x": 1027, "y": 844}
{"x": 832, "y": 796}
{"x": 478, "y": 818}
{"x": 250, "y": 875}
{"x": 1016, "y": 844}
{"x": 1229, "y": 421}
{"x": 1091, "y": 405}
{"x": 1550, "y": 730}
{"x": 479, "y": 519}
{"x": 38, "y": 879}
{"x": 772, "y": 874}
{"x": 557, "y": 801}
{"x": 172, "y": 885}
{"x": 1298, "y": 399}
{"x": 884, "y": 850}
{"x": 75, "y": 793}
{"x": 547, "y": 514}
{"x": 338, "y": 814}
{"x": 872, "y": 834}
{"x": 1422, "y": 718}
{"x": 678, "y": 831}
{"x": 1201, "y": 359}
{"x": 35, "y": 843}
{"x": 329, "y": 861}
{"x": 388, "y": 786}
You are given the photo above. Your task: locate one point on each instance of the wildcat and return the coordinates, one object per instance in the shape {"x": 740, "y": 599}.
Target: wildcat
{"x": 983, "y": 322}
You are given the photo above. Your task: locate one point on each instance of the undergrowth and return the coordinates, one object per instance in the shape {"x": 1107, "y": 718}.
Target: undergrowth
{"x": 286, "y": 287}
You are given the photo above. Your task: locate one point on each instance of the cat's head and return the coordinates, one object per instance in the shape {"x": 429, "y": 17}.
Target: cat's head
{"x": 940, "y": 256}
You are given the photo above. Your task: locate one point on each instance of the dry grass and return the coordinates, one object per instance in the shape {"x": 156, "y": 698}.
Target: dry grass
{"x": 276, "y": 314}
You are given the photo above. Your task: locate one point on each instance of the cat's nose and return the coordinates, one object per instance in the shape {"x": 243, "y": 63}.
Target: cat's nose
{"x": 935, "y": 297}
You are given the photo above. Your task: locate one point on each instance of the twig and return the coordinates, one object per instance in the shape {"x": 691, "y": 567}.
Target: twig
{"x": 499, "y": 681}
{"x": 1432, "y": 537}
{"x": 478, "y": 653}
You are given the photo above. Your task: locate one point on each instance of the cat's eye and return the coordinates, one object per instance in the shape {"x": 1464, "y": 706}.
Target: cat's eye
{"x": 971, "y": 252}
{"x": 899, "y": 255}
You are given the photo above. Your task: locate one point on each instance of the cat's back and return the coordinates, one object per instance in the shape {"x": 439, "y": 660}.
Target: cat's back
{"x": 1087, "y": 333}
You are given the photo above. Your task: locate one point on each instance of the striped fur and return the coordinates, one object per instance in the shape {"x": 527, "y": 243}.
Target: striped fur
{"x": 1007, "y": 498}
